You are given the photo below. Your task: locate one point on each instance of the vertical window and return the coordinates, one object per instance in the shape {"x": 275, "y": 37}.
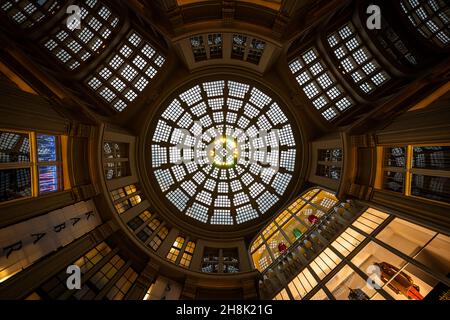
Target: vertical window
{"x": 355, "y": 59}
{"x": 72, "y": 46}
{"x": 155, "y": 243}
{"x": 116, "y": 163}
{"x": 90, "y": 259}
{"x": 256, "y": 51}
{"x": 128, "y": 71}
{"x": 209, "y": 49}
{"x": 30, "y": 164}
{"x": 107, "y": 272}
{"x": 247, "y": 48}
{"x": 126, "y": 197}
{"x": 138, "y": 221}
{"x": 329, "y": 163}
{"x": 319, "y": 85}
{"x": 215, "y": 45}
{"x": 175, "y": 250}
{"x": 122, "y": 286}
{"x": 187, "y": 255}
{"x": 421, "y": 171}
{"x": 431, "y": 19}
{"x": 198, "y": 48}
{"x": 49, "y": 164}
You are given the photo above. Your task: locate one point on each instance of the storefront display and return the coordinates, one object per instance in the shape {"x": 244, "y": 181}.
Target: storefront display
{"x": 402, "y": 283}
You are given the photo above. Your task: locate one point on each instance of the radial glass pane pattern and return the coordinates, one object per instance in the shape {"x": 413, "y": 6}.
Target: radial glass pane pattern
{"x": 223, "y": 152}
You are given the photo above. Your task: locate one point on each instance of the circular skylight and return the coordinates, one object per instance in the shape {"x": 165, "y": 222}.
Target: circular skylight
{"x": 223, "y": 152}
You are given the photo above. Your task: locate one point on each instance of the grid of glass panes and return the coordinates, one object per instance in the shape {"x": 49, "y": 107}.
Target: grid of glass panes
{"x": 411, "y": 275}
{"x": 91, "y": 258}
{"x": 127, "y": 72}
{"x": 215, "y": 45}
{"x": 289, "y": 225}
{"x": 331, "y": 155}
{"x": 21, "y": 163}
{"x": 125, "y": 198}
{"x": 155, "y": 243}
{"x": 319, "y": 85}
{"x": 356, "y": 61}
{"x": 115, "y": 160}
{"x": 175, "y": 250}
{"x": 238, "y": 46}
{"x": 187, "y": 175}
{"x": 246, "y": 48}
{"x": 123, "y": 285}
{"x": 330, "y": 257}
{"x": 138, "y": 221}
{"x": 187, "y": 254}
{"x": 431, "y": 19}
{"x": 327, "y": 171}
{"x": 198, "y": 48}
{"x": 422, "y": 171}
{"x": 255, "y": 51}
{"x": 27, "y": 13}
{"x": 74, "y": 44}
{"x": 107, "y": 272}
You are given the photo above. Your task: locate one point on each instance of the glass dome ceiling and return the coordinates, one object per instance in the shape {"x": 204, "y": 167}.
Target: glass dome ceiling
{"x": 223, "y": 152}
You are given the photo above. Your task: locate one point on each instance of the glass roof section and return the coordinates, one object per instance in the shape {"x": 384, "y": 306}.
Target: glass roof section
{"x": 223, "y": 152}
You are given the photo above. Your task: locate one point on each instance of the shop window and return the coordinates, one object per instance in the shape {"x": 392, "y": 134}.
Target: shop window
{"x": 122, "y": 286}
{"x": 374, "y": 257}
{"x": 356, "y": 61}
{"x": 303, "y": 283}
{"x": 74, "y": 47}
{"x": 127, "y": 73}
{"x": 349, "y": 285}
{"x": 421, "y": 171}
{"x": 116, "y": 162}
{"x": 398, "y": 278}
{"x": 28, "y": 14}
{"x": 325, "y": 263}
{"x": 406, "y": 237}
{"x": 320, "y": 295}
{"x": 125, "y": 198}
{"x": 430, "y": 18}
{"x": 29, "y": 168}
{"x": 290, "y": 226}
{"x": 282, "y": 295}
{"x": 319, "y": 85}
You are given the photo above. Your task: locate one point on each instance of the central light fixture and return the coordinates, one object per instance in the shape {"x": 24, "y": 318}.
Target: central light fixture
{"x": 224, "y": 152}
